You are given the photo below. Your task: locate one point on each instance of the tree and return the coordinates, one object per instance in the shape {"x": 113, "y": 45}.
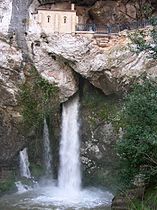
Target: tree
{"x": 138, "y": 147}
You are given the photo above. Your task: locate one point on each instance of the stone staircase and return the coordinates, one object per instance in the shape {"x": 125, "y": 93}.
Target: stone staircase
{"x": 102, "y": 41}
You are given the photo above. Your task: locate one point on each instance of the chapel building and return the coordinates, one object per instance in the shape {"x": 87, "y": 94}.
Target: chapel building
{"x": 57, "y": 18}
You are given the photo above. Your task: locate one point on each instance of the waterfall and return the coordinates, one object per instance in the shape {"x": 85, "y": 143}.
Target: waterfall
{"x": 22, "y": 187}
{"x": 69, "y": 172}
{"x": 24, "y": 164}
{"x": 68, "y": 194}
{"x": 47, "y": 156}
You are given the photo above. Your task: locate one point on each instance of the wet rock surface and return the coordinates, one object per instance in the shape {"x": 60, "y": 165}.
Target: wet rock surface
{"x": 98, "y": 136}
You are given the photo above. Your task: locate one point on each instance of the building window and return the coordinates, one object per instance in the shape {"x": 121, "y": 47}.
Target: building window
{"x": 48, "y": 18}
{"x": 65, "y": 19}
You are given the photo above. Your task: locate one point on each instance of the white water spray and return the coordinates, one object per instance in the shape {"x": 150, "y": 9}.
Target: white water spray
{"x": 68, "y": 195}
{"x": 69, "y": 173}
{"x": 24, "y": 164}
{"x": 47, "y": 151}
{"x": 22, "y": 188}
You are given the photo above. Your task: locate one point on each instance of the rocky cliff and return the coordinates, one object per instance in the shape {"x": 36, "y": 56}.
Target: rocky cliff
{"x": 111, "y": 69}
{"x": 11, "y": 76}
{"x": 64, "y": 60}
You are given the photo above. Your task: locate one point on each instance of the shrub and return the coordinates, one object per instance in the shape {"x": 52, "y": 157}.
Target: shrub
{"x": 145, "y": 40}
{"x": 138, "y": 147}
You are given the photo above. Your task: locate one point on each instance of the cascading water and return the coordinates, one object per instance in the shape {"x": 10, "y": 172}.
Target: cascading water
{"x": 47, "y": 155}
{"x": 24, "y": 164}
{"x": 68, "y": 194}
{"x": 22, "y": 187}
{"x": 24, "y": 172}
{"x": 69, "y": 172}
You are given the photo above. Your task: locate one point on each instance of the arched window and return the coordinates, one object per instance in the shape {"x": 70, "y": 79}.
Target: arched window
{"x": 48, "y": 18}
{"x": 65, "y": 19}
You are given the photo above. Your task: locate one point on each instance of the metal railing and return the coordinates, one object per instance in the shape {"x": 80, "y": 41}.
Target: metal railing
{"x": 113, "y": 28}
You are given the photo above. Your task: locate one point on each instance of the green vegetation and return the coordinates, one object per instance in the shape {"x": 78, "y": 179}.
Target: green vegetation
{"x": 138, "y": 147}
{"x": 98, "y": 112}
{"x": 39, "y": 100}
{"x": 6, "y": 185}
{"x": 37, "y": 97}
{"x": 145, "y": 40}
{"x": 37, "y": 170}
{"x": 149, "y": 201}
{"x": 102, "y": 108}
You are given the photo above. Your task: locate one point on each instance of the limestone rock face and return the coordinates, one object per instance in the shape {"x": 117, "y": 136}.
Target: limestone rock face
{"x": 5, "y": 15}
{"x": 97, "y": 153}
{"x": 58, "y": 57}
{"x": 98, "y": 137}
{"x": 11, "y": 140}
{"x": 54, "y": 69}
{"x": 79, "y": 2}
{"x": 112, "y": 12}
{"x": 14, "y": 21}
{"x": 82, "y": 2}
{"x": 110, "y": 69}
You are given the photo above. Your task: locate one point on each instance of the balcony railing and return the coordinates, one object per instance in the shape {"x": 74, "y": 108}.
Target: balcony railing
{"x": 114, "y": 28}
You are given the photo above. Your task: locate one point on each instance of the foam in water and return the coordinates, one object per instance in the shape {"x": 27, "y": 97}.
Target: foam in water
{"x": 22, "y": 188}
{"x": 88, "y": 198}
{"x": 47, "y": 156}
{"x": 69, "y": 172}
{"x": 24, "y": 164}
{"x": 68, "y": 193}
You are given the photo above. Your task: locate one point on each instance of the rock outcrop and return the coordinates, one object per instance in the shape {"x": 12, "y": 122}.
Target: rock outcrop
{"x": 110, "y": 69}
{"x": 54, "y": 69}
{"x": 11, "y": 76}
{"x": 112, "y": 12}
{"x": 5, "y": 14}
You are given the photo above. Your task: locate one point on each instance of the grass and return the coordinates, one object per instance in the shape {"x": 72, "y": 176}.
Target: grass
{"x": 149, "y": 202}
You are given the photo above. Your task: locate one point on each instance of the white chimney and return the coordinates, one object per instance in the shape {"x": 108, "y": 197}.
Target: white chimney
{"x": 72, "y": 7}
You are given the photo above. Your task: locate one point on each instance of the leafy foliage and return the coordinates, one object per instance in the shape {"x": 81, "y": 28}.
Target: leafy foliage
{"x": 37, "y": 97}
{"x": 145, "y": 40}
{"x": 37, "y": 170}
{"x": 7, "y": 185}
{"x": 149, "y": 201}
{"x": 138, "y": 147}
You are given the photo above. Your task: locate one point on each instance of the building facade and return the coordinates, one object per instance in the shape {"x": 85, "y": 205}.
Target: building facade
{"x": 57, "y": 20}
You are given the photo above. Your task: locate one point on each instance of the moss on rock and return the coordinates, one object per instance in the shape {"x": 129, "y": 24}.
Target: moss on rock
{"x": 100, "y": 131}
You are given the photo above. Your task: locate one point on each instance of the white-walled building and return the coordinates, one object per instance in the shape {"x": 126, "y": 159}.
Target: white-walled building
{"x": 58, "y": 18}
